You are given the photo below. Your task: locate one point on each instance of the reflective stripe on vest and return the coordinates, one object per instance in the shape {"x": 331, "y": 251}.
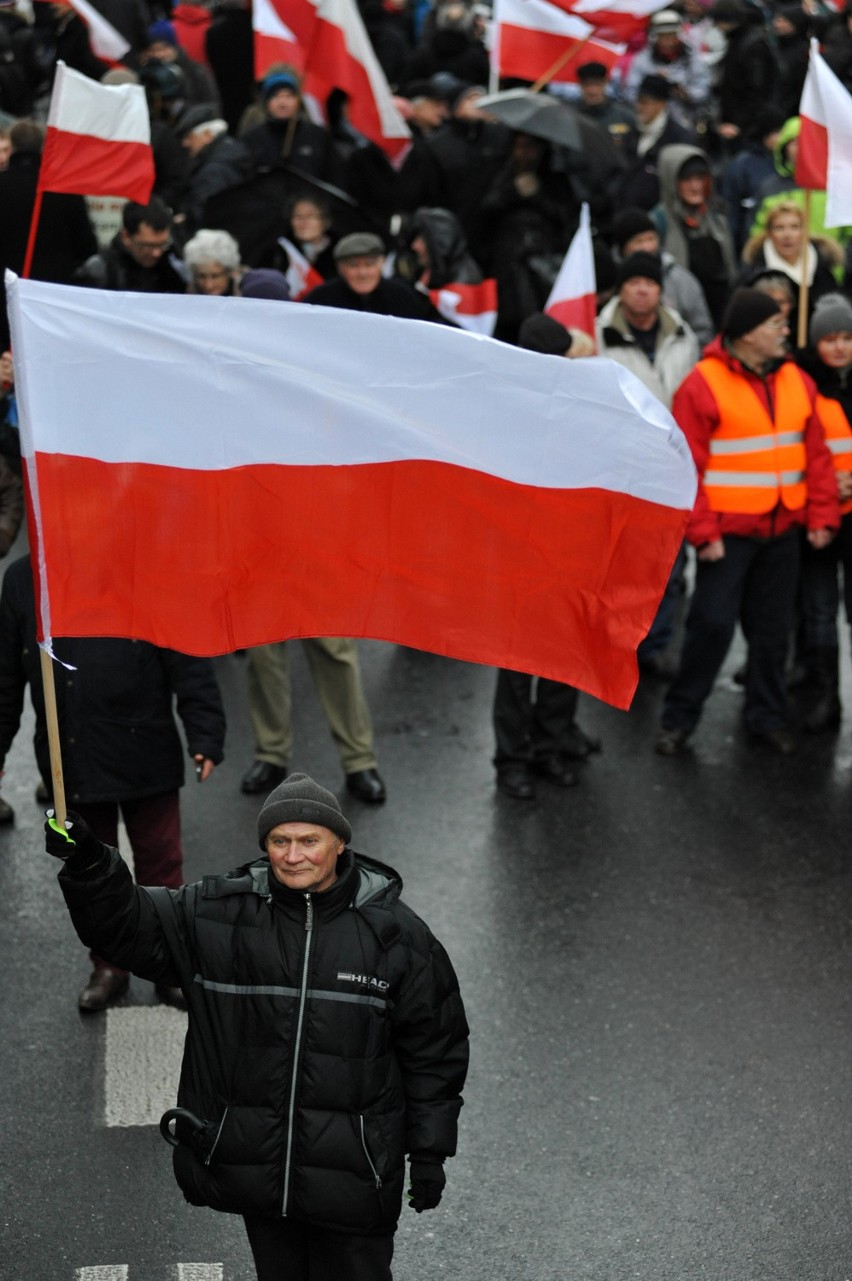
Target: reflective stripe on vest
{"x": 754, "y": 462}
{"x": 838, "y": 437}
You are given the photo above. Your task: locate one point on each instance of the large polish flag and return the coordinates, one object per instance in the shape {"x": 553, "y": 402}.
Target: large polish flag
{"x": 333, "y": 50}
{"x": 614, "y": 19}
{"x": 824, "y": 157}
{"x": 472, "y": 307}
{"x": 394, "y": 479}
{"x": 98, "y": 139}
{"x": 530, "y": 37}
{"x": 573, "y": 298}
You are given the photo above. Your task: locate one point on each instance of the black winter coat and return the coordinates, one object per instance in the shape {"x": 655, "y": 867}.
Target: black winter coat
{"x": 326, "y": 1034}
{"x": 116, "y": 726}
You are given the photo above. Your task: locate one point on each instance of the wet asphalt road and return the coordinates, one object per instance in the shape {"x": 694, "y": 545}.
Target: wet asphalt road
{"x": 656, "y": 971}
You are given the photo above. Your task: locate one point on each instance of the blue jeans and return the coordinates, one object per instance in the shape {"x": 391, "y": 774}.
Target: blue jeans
{"x": 755, "y": 583}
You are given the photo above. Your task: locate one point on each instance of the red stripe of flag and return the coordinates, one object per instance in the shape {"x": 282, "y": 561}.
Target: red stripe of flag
{"x": 83, "y": 165}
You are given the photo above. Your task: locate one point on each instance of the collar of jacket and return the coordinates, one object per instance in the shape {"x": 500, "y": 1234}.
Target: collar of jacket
{"x": 616, "y": 332}
{"x": 720, "y": 350}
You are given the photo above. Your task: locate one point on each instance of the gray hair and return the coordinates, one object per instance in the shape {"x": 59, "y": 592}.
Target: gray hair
{"x": 212, "y": 246}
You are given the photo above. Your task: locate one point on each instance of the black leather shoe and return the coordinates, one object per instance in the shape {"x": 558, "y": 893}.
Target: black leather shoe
{"x": 170, "y": 995}
{"x": 262, "y": 777}
{"x": 516, "y": 781}
{"x": 780, "y": 740}
{"x": 7, "y": 814}
{"x": 367, "y": 786}
{"x": 555, "y": 769}
{"x": 105, "y": 986}
{"x": 577, "y": 744}
{"x": 671, "y": 742}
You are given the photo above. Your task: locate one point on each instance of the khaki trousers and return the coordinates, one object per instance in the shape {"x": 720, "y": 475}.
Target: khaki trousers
{"x": 336, "y": 673}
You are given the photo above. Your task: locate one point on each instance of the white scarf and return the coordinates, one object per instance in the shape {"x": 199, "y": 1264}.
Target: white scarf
{"x": 774, "y": 262}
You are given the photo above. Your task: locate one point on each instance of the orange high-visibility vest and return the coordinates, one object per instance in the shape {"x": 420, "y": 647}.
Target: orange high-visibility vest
{"x": 838, "y": 437}
{"x": 754, "y": 462}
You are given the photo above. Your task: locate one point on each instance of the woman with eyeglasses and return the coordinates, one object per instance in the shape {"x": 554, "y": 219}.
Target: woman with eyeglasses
{"x": 213, "y": 259}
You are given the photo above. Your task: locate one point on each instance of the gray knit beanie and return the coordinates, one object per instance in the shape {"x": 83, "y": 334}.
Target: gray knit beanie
{"x": 832, "y": 315}
{"x": 300, "y": 800}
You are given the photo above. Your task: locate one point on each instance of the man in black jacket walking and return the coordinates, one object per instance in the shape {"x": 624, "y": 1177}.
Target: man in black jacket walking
{"x": 326, "y": 1034}
{"x": 120, "y": 745}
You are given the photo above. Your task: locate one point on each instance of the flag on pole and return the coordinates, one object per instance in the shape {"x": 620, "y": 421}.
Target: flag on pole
{"x": 98, "y": 139}
{"x": 472, "y": 307}
{"x": 824, "y": 157}
{"x": 301, "y": 276}
{"x": 613, "y": 19}
{"x": 105, "y": 41}
{"x": 573, "y": 298}
{"x": 451, "y": 493}
{"x": 333, "y": 51}
{"x": 530, "y": 36}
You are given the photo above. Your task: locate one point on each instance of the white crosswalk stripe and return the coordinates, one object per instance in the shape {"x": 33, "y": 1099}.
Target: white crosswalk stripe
{"x": 176, "y": 1272}
{"x": 198, "y": 1272}
{"x": 106, "y": 1272}
{"x": 144, "y": 1046}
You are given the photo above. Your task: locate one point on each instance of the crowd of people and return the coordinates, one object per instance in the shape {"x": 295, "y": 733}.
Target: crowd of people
{"x": 719, "y": 286}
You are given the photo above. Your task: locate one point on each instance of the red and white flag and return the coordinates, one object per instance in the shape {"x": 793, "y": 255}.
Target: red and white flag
{"x": 472, "y": 307}
{"x": 301, "y": 276}
{"x": 824, "y": 157}
{"x": 530, "y": 36}
{"x": 274, "y": 40}
{"x": 573, "y": 298}
{"x": 334, "y": 52}
{"x": 613, "y": 19}
{"x": 105, "y": 41}
{"x": 462, "y": 496}
{"x": 98, "y": 139}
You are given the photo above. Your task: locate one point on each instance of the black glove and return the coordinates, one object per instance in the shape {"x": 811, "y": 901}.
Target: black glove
{"x": 77, "y": 846}
{"x": 427, "y": 1181}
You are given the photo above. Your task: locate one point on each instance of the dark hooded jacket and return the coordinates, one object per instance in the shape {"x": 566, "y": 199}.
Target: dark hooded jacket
{"x": 326, "y": 1033}
{"x": 450, "y": 261}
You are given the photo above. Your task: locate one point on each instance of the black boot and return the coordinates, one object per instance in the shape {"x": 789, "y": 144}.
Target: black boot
{"x": 825, "y": 713}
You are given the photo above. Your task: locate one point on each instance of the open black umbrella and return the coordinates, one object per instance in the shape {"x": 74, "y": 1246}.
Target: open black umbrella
{"x": 543, "y": 116}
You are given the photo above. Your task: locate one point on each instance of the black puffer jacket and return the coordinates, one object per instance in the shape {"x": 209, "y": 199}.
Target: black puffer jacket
{"x": 326, "y": 1033}
{"x": 116, "y": 726}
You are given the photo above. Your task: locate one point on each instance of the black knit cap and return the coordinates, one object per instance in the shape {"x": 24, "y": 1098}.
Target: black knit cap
{"x": 300, "y": 800}
{"x": 654, "y": 86}
{"x": 630, "y": 222}
{"x": 591, "y": 71}
{"x": 746, "y": 309}
{"x": 650, "y": 266}
{"x": 544, "y": 334}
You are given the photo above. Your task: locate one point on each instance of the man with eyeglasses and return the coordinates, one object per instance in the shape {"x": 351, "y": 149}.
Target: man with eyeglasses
{"x": 764, "y": 472}
{"x": 139, "y": 258}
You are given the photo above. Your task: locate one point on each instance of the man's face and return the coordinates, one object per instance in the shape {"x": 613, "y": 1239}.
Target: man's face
{"x": 282, "y": 104}
{"x": 647, "y": 109}
{"x": 160, "y": 51}
{"x": 765, "y": 343}
{"x": 646, "y": 242}
{"x": 692, "y": 191}
{"x": 639, "y": 297}
{"x": 362, "y": 274}
{"x": 593, "y": 92}
{"x": 429, "y": 113}
{"x": 835, "y": 350}
{"x": 303, "y": 856}
{"x": 196, "y": 141}
{"x": 146, "y": 246}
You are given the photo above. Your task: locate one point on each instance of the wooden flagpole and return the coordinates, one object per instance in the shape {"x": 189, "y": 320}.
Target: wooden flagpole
{"x": 802, "y": 326}
{"x": 562, "y": 61}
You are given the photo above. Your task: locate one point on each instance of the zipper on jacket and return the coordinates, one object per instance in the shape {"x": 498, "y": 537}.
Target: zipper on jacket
{"x": 209, "y": 1156}
{"x": 376, "y": 1174}
{"x": 297, "y": 1049}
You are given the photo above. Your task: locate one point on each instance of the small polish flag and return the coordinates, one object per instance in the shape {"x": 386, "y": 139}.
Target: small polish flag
{"x": 530, "y": 37}
{"x": 301, "y": 276}
{"x": 472, "y": 307}
{"x": 824, "y": 157}
{"x": 573, "y": 297}
{"x": 98, "y": 139}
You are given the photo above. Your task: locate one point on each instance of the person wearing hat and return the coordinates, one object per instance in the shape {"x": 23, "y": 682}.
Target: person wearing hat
{"x": 326, "y": 1036}
{"x": 828, "y": 360}
{"x": 596, "y": 104}
{"x": 217, "y": 161}
{"x": 750, "y": 418}
{"x": 163, "y": 50}
{"x": 656, "y": 344}
{"x": 285, "y": 135}
{"x": 656, "y": 129}
{"x": 535, "y": 720}
{"x": 361, "y": 286}
{"x": 666, "y": 54}
{"x": 631, "y": 231}
{"x": 692, "y": 224}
